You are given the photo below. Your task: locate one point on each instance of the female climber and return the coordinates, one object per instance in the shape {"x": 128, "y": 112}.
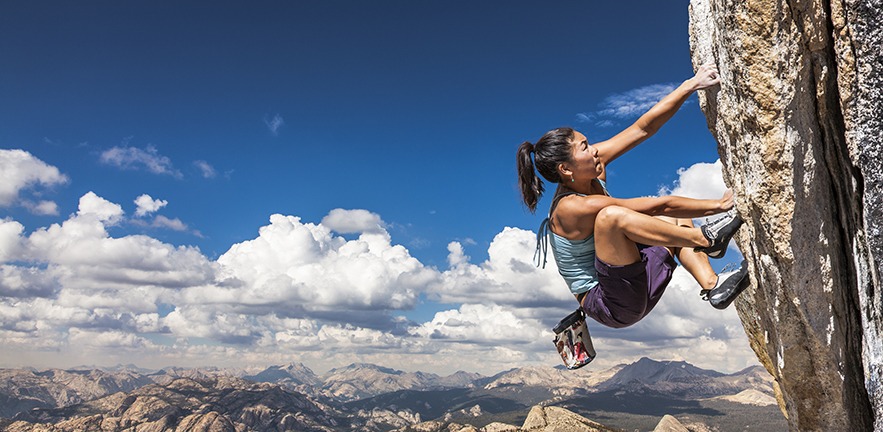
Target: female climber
{"x": 616, "y": 255}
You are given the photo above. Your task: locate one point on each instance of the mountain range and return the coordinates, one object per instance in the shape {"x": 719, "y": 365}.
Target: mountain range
{"x": 375, "y": 398}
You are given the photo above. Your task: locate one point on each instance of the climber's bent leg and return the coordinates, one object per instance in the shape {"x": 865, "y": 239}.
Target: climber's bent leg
{"x": 672, "y": 250}
{"x": 696, "y": 262}
{"x": 725, "y": 285}
{"x": 618, "y": 230}
{"x": 627, "y": 293}
{"x": 631, "y": 286}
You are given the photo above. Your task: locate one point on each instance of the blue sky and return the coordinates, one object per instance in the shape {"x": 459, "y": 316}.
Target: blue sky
{"x": 389, "y": 125}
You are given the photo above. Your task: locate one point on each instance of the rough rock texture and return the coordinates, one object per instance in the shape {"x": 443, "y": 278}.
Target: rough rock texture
{"x": 555, "y": 419}
{"x": 22, "y": 390}
{"x": 539, "y": 419}
{"x": 499, "y": 427}
{"x": 670, "y": 424}
{"x": 799, "y": 122}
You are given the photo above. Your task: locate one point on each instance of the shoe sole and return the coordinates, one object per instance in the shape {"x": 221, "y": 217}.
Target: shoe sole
{"x": 743, "y": 284}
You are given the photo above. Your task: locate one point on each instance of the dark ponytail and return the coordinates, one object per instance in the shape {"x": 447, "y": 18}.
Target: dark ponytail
{"x": 531, "y": 186}
{"x": 552, "y": 149}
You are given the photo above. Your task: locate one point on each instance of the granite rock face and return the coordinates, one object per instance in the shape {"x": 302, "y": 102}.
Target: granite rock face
{"x": 670, "y": 424}
{"x": 556, "y": 419}
{"x": 799, "y": 123}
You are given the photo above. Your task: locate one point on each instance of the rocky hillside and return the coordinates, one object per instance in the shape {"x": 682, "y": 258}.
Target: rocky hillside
{"x": 23, "y": 390}
{"x": 751, "y": 397}
{"x": 175, "y": 408}
{"x": 683, "y": 380}
{"x": 550, "y": 419}
{"x": 799, "y": 122}
{"x": 295, "y": 373}
{"x": 360, "y": 380}
{"x": 559, "y": 381}
{"x": 668, "y": 377}
{"x": 647, "y": 387}
{"x": 675, "y": 378}
{"x": 191, "y": 404}
{"x": 231, "y": 404}
{"x": 181, "y": 399}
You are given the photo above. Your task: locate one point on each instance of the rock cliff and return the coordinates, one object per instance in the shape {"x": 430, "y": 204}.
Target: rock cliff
{"x": 799, "y": 122}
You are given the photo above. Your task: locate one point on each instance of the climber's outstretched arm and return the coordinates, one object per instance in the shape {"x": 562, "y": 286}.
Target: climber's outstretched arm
{"x": 649, "y": 123}
{"x": 678, "y": 207}
{"x": 576, "y": 216}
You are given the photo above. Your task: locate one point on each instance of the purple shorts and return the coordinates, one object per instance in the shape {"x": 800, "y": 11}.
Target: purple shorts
{"x": 626, "y": 294}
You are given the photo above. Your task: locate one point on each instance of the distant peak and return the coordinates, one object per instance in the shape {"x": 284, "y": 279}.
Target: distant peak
{"x": 369, "y": 366}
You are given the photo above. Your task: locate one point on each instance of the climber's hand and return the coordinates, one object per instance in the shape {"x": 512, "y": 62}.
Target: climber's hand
{"x": 706, "y": 77}
{"x": 726, "y": 202}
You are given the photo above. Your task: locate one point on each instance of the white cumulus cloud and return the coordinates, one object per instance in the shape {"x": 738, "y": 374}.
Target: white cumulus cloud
{"x": 701, "y": 181}
{"x": 10, "y": 240}
{"x": 307, "y": 267}
{"x": 93, "y": 206}
{"x": 27, "y": 282}
{"x": 456, "y": 256}
{"x": 508, "y": 277}
{"x": 350, "y": 338}
{"x": 107, "y": 339}
{"x": 353, "y": 221}
{"x": 314, "y": 292}
{"x": 21, "y": 170}
{"x": 229, "y": 327}
{"x": 43, "y": 207}
{"x": 89, "y": 258}
{"x": 482, "y": 324}
{"x": 147, "y": 205}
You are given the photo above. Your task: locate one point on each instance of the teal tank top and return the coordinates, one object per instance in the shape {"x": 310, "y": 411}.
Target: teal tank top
{"x": 575, "y": 258}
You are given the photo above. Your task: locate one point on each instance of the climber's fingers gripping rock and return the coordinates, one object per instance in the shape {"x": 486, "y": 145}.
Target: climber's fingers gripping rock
{"x": 707, "y": 76}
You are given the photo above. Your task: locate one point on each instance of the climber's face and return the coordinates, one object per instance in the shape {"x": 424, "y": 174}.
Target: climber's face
{"x": 585, "y": 163}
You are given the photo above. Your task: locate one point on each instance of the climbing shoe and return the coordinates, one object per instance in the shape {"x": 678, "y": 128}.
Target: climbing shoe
{"x": 729, "y": 285}
{"x": 719, "y": 232}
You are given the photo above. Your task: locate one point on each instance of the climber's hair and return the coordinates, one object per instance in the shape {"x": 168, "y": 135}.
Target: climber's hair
{"x": 552, "y": 149}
